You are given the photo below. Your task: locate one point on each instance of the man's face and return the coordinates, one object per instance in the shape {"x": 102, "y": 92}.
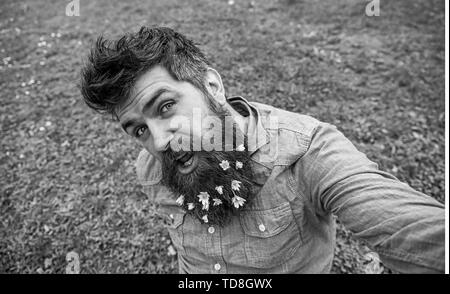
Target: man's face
{"x": 202, "y": 178}
{"x": 156, "y": 100}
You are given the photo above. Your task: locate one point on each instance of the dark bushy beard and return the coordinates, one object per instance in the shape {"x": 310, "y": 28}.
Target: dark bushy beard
{"x": 207, "y": 176}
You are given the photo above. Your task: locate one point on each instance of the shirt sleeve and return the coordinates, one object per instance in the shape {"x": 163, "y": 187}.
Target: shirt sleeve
{"x": 405, "y": 227}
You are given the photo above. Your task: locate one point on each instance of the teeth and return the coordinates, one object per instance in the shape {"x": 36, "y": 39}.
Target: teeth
{"x": 189, "y": 162}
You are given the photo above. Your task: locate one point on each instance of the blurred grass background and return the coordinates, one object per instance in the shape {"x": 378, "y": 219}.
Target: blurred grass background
{"x": 67, "y": 175}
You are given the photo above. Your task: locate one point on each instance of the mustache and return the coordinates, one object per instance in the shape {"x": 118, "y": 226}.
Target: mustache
{"x": 225, "y": 147}
{"x": 170, "y": 155}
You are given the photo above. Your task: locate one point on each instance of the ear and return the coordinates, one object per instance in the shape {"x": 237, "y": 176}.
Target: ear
{"x": 214, "y": 86}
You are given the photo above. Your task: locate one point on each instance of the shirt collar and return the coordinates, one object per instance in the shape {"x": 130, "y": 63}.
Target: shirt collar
{"x": 257, "y": 135}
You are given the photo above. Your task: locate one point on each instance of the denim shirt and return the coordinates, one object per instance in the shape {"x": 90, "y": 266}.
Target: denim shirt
{"x": 309, "y": 173}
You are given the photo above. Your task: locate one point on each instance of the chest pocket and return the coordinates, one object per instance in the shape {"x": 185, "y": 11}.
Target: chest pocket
{"x": 271, "y": 237}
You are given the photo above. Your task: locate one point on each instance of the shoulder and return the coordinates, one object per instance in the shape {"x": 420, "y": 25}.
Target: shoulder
{"x": 290, "y": 133}
{"x": 286, "y": 120}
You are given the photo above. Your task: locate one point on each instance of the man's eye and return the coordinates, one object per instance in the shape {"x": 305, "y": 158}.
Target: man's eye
{"x": 140, "y": 131}
{"x": 166, "y": 107}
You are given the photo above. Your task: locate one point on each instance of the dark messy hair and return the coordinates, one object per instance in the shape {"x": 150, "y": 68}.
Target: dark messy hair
{"x": 113, "y": 66}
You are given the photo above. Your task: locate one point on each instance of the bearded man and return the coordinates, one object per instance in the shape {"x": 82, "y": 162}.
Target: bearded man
{"x": 249, "y": 188}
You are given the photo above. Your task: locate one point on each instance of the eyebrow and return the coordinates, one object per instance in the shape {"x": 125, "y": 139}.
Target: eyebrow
{"x": 146, "y": 107}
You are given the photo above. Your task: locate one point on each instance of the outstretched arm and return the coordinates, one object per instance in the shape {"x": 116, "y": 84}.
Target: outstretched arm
{"x": 405, "y": 227}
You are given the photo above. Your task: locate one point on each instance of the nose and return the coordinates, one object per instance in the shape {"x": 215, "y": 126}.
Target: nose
{"x": 161, "y": 137}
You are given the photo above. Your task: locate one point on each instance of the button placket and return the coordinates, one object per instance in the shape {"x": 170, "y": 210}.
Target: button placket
{"x": 213, "y": 249}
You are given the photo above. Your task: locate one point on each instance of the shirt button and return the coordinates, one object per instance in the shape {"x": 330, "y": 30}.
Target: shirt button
{"x": 262, "y": 227}
{"x": 217, "y": 267}
{"x": 211, "y": 230}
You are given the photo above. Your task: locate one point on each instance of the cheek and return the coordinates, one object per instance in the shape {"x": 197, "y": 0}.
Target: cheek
{"x": 189, "y": 119}
{"x": 148, "y": 147}
{"x": 197, "y": 133}
{"x": 187, "y": 126}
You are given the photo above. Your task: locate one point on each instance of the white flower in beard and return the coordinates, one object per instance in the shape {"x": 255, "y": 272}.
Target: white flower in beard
{"x": 239, "y": 165}
{"x": 180, "y": 200}
{"x": 217, "y": 201}
{"x": 219, "y": 189}
{"x": 240, "y": 148}
{"x": 203, "y": 196}
{"x": 205, "y": 218}
{"x": 224, "y": 164}
{"x": 205, "y": 205}
{"x": 204, "y": 199}
{"x": 191, "y": 206}
{"x": 235, "y": 185}
{"x": 238, "y": 201}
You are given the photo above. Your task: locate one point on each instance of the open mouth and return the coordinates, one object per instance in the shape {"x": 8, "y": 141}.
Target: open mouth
{"x": 187, "y": 162}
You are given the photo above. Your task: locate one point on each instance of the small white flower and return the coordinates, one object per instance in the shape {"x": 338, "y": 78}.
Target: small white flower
{"x": 235, "y": 185}
{"x": 217, "y": 201}
{"x": 180, "y": 200}
{"x": 224, "y": 164}
{"x": 240, "y": 148}
{"x": 205, "y": 218}
{"x": 171, "y": 251}
{"x": 48, "y": 123}
{"x": 203, "y": 196}
{"x": 237, "y": 201}
{"x": 191, "y": 206}
{"x": 219, "y": 189}
{"x": 239, "y": 165}
{"x": 47, "y": 262}
{"x": 204, "y": 199}
{"x": 205, "y": 205}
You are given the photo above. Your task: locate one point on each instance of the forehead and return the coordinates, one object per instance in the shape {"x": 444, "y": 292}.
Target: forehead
{"x": 151, "y": 80}
{"x": 154, "y": 75}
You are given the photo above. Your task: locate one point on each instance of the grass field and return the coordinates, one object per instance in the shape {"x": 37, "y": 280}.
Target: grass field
{"x": 67, "y": 178}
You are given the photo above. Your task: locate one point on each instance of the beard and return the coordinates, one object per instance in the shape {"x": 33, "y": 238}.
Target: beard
{"x": 220, "y": 185}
